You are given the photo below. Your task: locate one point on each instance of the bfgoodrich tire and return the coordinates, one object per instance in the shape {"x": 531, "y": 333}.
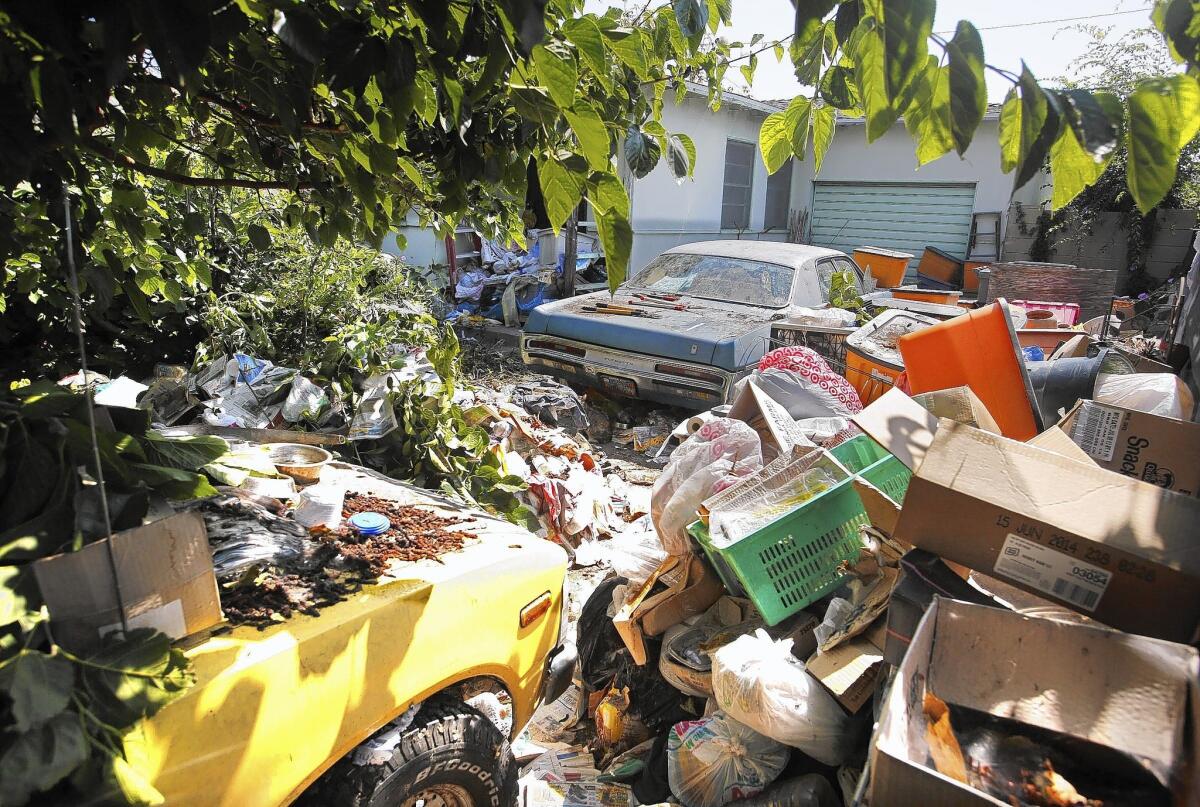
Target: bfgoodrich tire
{"x": 451, "y": 756}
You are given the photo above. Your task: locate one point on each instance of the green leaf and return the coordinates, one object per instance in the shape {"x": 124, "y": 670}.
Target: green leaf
{"x": 1164, "y": 115}
{"x": 18, "y": 594}
{"x": 824, "y": 122}
{"x": 561, "y": 189}
{"x": 174, "y": 483}
{"x": 677, "y": 158}
{"x": 641, "y": 152}
{"x": 867, "y": 50}
{"x": 1073, "y": 168}
{"x": 585, "y": 35}
{"x": 906, "y": 27}
{"x": 928, "y": 116}
{"x": 38, "y": 685}
{"x": 559, "y": 74}
{"x": 607, "y": 194}
{"x": 39, "y": 759}
{"x": 692, "y": 16}
{"x": 1095, "y": 119}
{"x": 689, "y": 148}
{"x": 188, "y": 453}
{"x": 1040, "y": 123}
{"x": 809, "y": 14}
{"x": 454, "y": 96}
{"x": 616, "y": 237}
{"x": 591, "y": 133}
{"x": 259, "y": 237}
{"x": 809, "y": 54}
{"x": 1010, "y": 132}
{"x": 968, "y": 92}
{"x": 631, "y": 53}
{"x": 134, "y": 788}
{"x": 775, "y": 141}
{"x": 848, "y": 15}
{"x": 1179, "y": 22}
{"x": 798, "y": 114}
{"x": 138, "y": 300}
{"x": 134, "y": 675}
{"x": 837, "y": 88}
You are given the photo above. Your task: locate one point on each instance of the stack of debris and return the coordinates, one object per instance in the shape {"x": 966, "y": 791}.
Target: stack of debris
{"x": 958, "y": 593}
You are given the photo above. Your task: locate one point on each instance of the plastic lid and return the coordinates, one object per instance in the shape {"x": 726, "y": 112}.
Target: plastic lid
{"x": 370, "y": 523}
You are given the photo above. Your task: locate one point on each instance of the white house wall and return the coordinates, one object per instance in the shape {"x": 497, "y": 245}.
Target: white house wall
{"x": 666, "y": 213}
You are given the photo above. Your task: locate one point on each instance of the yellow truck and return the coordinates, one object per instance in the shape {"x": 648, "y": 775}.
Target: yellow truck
{"x": 317, "y": 709}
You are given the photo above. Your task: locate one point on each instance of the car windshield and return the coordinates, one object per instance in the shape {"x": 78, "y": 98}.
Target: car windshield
{"x": 712, "y": 277}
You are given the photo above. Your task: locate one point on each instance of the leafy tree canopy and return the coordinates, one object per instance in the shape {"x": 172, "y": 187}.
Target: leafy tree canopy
{"x": 345, "y": 118}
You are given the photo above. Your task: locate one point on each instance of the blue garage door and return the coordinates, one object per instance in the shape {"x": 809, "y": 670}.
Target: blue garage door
{"x": 894, "y": 215}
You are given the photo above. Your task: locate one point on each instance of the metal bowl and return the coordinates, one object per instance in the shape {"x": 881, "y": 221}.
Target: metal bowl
{"x": 300, "y": 462}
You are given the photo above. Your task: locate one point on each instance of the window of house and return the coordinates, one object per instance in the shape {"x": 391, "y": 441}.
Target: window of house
{"x": 779, "y": 197}
{"x": 739, "y": 177}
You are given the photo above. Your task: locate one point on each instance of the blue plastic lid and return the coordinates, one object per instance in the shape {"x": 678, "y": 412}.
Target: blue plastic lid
{"x": 370, "y": 523}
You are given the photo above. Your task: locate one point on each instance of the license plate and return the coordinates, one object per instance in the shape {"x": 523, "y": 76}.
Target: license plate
{"x": 620, "y": 386}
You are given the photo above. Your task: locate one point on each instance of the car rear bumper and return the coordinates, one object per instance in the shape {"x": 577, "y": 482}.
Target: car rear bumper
{"x": 632, "y": 374}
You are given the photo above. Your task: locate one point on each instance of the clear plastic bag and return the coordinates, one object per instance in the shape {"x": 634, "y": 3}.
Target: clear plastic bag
{"x": 716, "y": 760}
{"x": 634, "y": 555}
{"x": 760, "y": 683}
{"x": 718, "y": 454}
{"x": 1160, "y": 394}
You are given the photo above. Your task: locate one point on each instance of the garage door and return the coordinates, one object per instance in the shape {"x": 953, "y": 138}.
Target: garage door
{"x": 894, "y": 215}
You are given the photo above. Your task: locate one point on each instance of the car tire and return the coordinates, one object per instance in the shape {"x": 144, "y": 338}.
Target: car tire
{"x": 451, "y": 756}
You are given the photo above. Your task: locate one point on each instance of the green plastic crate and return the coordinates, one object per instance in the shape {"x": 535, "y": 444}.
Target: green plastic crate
{"x": 859, "y": 453}
{"x": 865, "y": 458}
{"x": 792, "y": 561}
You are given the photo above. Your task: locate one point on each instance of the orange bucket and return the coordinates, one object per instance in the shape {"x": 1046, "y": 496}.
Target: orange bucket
{"x": 927, "y": 295}
{"x": 970, "y": 278}
{"x": 887, "y": 265}
{"x": 978, "y": 350}
{"x": 872, "y": 359}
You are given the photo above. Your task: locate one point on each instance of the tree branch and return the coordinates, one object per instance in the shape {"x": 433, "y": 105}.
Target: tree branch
{"x": 102, "y": 149}
{"x": 243, "y": 110}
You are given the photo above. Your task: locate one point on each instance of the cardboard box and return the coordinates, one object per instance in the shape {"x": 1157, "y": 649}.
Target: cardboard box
{"x": 691, "y": 587}
{"x": 1159, "y": 450}
{"x": 1126, "y": 692}
{"x": 851, "y": 670}
{"x": 1120, "y": 551}
{"x": 166, "y": 579}
{"x": 778, "y": 430}
{"x": 1056, "y": 440}
{"x": 960, "y": 404}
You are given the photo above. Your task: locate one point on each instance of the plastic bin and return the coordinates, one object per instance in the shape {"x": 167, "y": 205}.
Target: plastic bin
{"x": 1065, "y": 313}
{"x": 887, "y": 265}
{"x": 941, "y": 268}
{"x": 971, "y": 274}
{"x": 942, "y": 296}
{"x": 793, "y": 561}
{"x": 872, "y": 359}
{"x": 978, "y": 350}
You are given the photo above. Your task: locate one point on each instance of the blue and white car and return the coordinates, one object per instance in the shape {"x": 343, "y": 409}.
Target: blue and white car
{"x": 731, "y": 292}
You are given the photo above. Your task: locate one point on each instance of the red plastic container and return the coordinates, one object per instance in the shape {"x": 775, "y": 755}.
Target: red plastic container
{"x": 1066, "y": 313}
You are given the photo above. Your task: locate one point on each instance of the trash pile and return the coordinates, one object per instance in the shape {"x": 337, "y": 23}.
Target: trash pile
{"x": 954, "y": 584}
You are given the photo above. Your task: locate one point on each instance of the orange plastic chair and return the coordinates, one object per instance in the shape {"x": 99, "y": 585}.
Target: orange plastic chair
{"x": 978, "y": 350}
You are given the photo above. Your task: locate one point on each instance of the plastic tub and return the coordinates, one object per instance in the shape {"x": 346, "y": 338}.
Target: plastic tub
{"x": 1064, "y": 313}
{"x": 940, "y": 296}
{"x": 978, "y": 350}
{"x": 887, "y": 265}
{"x": 941, "y": 268}
{"x": 971, "y": 274}
{"x": 873, "y": 360}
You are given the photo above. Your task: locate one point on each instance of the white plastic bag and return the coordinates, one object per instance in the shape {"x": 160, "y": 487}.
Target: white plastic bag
{"x": 823, "y": 317}
{"x": 1160, "y": 394}
{"x": 634, "y": 555}
{"x": 305, "y": 401}
{"x": 717, "y": 455}
{"x": 760, "y": 683}
{"x": 717, "y": 760}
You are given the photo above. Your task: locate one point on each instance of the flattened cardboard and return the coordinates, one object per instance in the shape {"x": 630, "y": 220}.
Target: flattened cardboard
{"x": 1126, "y": 692}
{"x": 960, "y": 404}
{"x": 1159, "y": 450}
{"x": 1122, "y": 552}
{"x": 899, "y": 424}
{"x": 851, "y": 670}
{"x": 1056, "y": 441}
{"x": 166, "y": 578}
{"x": 770, "y": 419}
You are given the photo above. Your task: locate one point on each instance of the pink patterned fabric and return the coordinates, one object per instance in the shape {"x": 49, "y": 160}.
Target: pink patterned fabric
{"x": 814, "y": 370}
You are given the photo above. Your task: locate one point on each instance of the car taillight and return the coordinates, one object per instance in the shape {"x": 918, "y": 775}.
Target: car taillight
{"x": 687, "y": 372}
{"x": 561, "y": 347}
